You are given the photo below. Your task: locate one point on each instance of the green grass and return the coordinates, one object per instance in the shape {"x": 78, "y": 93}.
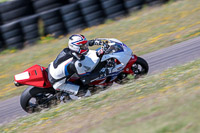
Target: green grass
{"x": 142, "y": 31}
{"x": 2, "y": 1}
{"x": 165, "y": 102}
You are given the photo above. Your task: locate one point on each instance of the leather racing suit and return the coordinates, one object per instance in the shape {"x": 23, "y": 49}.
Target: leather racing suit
{"x": 67, "y": 64}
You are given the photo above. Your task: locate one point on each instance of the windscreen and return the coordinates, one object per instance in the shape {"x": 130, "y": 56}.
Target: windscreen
{"x": 114, "y": 48}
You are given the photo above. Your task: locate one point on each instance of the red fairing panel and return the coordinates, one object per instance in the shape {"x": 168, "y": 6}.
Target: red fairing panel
{"x": 34, "y": 76}
{"x": 128, "y": 69}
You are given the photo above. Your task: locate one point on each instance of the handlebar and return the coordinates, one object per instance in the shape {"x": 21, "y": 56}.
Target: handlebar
{"x": 105, "y": 46}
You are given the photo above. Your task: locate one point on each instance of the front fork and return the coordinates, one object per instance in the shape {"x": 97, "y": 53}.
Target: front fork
{"x": 128, "y": 68}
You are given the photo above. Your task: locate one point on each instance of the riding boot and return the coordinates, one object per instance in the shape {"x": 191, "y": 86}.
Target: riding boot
{"x": 83, "y": 92}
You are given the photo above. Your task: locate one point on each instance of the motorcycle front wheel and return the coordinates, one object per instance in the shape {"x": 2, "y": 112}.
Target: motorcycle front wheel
{"x": 140, "y": 67}
{"x": 35, "y": 99}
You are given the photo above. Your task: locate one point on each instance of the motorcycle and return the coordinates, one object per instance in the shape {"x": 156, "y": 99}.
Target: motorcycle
{"x": 113, "y": 57}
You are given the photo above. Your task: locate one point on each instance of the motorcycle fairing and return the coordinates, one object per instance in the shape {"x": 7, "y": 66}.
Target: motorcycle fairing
{"x": 128, "y": 69}
{"x": 119, "y": 51}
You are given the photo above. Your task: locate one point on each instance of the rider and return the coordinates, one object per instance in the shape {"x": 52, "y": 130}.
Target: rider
{"x": 71, "y": 61}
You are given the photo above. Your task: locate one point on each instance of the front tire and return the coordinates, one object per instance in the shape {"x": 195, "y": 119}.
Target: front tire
{"x": 140, "y": 67}
{"x": 34, "y": 99}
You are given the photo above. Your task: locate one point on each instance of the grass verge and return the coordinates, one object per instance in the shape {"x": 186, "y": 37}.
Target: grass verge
{"x": 142, "y": 31}
{"x": 165, "y": 102}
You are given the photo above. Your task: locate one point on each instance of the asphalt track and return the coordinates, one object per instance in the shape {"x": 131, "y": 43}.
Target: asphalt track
{"x": 158, "y": 61}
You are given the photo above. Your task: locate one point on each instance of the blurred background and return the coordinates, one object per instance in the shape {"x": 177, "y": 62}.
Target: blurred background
{"x": 23, "y": 22}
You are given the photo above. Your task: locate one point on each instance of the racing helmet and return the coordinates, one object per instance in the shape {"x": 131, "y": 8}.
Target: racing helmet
{"x": 78, "y": 44}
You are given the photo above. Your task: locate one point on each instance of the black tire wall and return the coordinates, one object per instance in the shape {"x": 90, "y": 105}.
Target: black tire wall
{"x": 30, "y": 29}
{"x": 13, "y": 10}
{"x": 45, "y": 5}
{"x": 1, "y": 43}
{"x": 155, "y": 2}
{"x": 12, "y": 35}
{"x": 92, "y": 12}
{"x": 53, "y": 23}
{"x": 132, "y": 5}
{"x": 113, "y": 8}
{"x": 72, "y": 17}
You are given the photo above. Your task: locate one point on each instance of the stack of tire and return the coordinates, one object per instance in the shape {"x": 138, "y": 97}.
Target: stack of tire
{"x": 72, "y": 17}
{"x": 92, "y": 12}
{"x": 1, "y": 44}
{"x": 53, "y": 23}
{"x": 155, "y": 2}
{"x": 132, "y": 5}
{"x": 12, "y": 10}
{"x": 73, "y": 1}
{"x": 30, "y": 29}
{"x": 113, "y": 8}
{"x": 12, "y": 35}
{"x": 0, "y": 18}
{"x": 45, "y": 5}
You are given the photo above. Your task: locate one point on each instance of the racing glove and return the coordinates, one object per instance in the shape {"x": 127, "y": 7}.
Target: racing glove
{"x": 95, "y": 42}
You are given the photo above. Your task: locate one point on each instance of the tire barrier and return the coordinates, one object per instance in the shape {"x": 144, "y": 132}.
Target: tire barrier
{"x": 30, "y": 29}
{"x": 53, "y": 23}
{"x": 13, "y": 10}
{"x": 1, "y": 41}
{"x": 72, "y": 17}
{"x": 1, "y": 45}
{"x": 73, "y": 1}
{"x": 92, "y": 12}
{"x": 21, "y": 19}
{"x": 113, "y": 8}
{"x": 12, "y": 35}
{"x": 132, "y": 5}
{"x": 45, "y": 5}
{"x": 155, "y": 2}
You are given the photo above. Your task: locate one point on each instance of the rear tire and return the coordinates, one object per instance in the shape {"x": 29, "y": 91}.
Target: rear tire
{"x": 34, "y": 92}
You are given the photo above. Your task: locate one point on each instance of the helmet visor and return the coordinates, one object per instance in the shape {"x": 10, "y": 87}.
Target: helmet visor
{"x": 84, "y": 46}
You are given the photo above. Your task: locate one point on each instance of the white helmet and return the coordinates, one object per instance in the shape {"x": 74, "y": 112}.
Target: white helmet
{"x": 78, "y": 44}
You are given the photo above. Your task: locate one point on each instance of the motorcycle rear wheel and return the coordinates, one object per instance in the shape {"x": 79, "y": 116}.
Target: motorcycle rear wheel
{"x": 35, "y": 99}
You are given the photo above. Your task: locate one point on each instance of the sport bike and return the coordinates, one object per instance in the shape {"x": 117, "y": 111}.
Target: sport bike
{"x": 113, "y": 60}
